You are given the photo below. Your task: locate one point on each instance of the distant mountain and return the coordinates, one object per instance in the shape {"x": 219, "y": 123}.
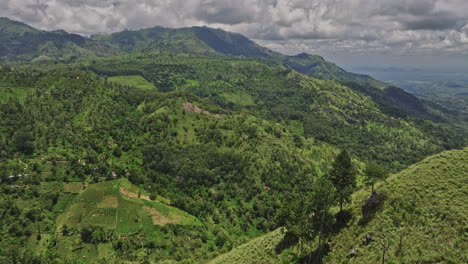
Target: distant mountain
{"x": 22, "y": 43}
{"x": 204, "y": 40}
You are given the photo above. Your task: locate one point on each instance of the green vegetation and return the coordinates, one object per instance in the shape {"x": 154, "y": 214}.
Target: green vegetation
{"x": 343, "y": 177}
{"x": 324, "y": 110}
{"x": 421, "y": 218}
{"x": 133, "y": 80}
{"x": 230, "y": 170}
{"x": 191, "y": 142}
{"x": 373, "y": 173}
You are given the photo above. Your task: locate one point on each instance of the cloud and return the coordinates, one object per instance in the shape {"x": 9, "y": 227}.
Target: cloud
{"x": 321, "y": 26}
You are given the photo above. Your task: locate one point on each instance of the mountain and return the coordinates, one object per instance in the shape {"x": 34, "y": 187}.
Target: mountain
{"x": 375, "y": 105}
{"x": 421, "y": 218}
{"x": 22, "y": 43}
{"x": 204, "y": 40}
{"x": 199, "y": 40}
{"x": 29, "y": 44}
{"x": 188, "y": 142}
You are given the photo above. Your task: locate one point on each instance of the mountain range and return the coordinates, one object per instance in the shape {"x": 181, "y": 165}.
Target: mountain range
{"x": 178, "y": 145}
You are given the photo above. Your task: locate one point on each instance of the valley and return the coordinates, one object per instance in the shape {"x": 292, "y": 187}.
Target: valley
{"x": 197, "y": 145}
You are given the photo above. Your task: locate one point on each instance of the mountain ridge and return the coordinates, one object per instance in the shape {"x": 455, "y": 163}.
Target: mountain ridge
{"x": 217, "y": 41}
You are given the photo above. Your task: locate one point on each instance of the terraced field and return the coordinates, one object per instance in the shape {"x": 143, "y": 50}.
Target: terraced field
{"x": 112, "y": 204}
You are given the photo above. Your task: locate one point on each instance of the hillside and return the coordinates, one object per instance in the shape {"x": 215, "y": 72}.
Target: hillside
{"x": 224, "y": 171}
{"x": 25, "y": 44}
{"x": 422, "y": 220}
{"x": 320, "y": 109}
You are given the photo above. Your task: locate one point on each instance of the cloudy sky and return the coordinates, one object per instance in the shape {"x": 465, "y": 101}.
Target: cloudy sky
{"x": 353, "y": 33}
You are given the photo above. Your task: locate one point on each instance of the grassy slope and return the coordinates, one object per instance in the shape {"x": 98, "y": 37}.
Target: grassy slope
{"x": 258, "y": 250}
{"x": 425, "y": 206}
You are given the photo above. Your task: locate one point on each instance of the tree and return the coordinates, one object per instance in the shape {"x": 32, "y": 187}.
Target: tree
{"x": 343, "y": 176}
{"x": 306, "y": 216}
{"x": 373, "y": 173}
{"x": 24, "y": 142}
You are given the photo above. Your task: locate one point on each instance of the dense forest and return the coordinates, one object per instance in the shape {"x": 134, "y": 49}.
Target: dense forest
{"x": 179, "y": 146}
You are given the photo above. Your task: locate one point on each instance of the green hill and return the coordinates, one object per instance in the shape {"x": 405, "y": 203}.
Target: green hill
{"x": 22, "y": 43}
{"x": 227, "y": 169}
{"x": 422, "y": 219}
{"x": 320, "y": 109}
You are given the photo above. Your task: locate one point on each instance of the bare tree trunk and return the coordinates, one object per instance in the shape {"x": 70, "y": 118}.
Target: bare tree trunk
{"x": 383, "y": 255}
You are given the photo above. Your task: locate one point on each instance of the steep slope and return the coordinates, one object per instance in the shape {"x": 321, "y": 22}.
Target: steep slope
{"x": 422, "y": 219}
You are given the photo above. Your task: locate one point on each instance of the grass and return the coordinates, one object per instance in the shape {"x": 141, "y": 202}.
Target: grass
{"x": 423, "y": 218}
{"x": 73, "y": 187}
{"x": 239, "y": 98}
{"x": 133, "y": 80}
{"x": 258, "y": 250}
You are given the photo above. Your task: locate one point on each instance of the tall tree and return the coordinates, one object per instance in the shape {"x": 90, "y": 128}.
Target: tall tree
{"x": 307, "y": 216}
{"x": 343, "y": 176}
{"x": 373, "y": 173}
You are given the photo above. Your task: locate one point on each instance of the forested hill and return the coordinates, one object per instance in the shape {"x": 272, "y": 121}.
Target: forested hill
{"x": 82, "y": 157}
{"x": 21, "y": 42}
{"x": 320, "y": 109}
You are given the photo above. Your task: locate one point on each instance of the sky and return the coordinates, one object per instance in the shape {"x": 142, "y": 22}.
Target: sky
{"x": 351, "y": 33}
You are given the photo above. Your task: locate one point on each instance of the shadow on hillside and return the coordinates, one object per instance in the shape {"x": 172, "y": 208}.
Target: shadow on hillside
{"x": 316, "y": 256}
{"x": 371, "y": 206}
{"x": 342, "y": 219}
{"x": 288, "y": 241}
